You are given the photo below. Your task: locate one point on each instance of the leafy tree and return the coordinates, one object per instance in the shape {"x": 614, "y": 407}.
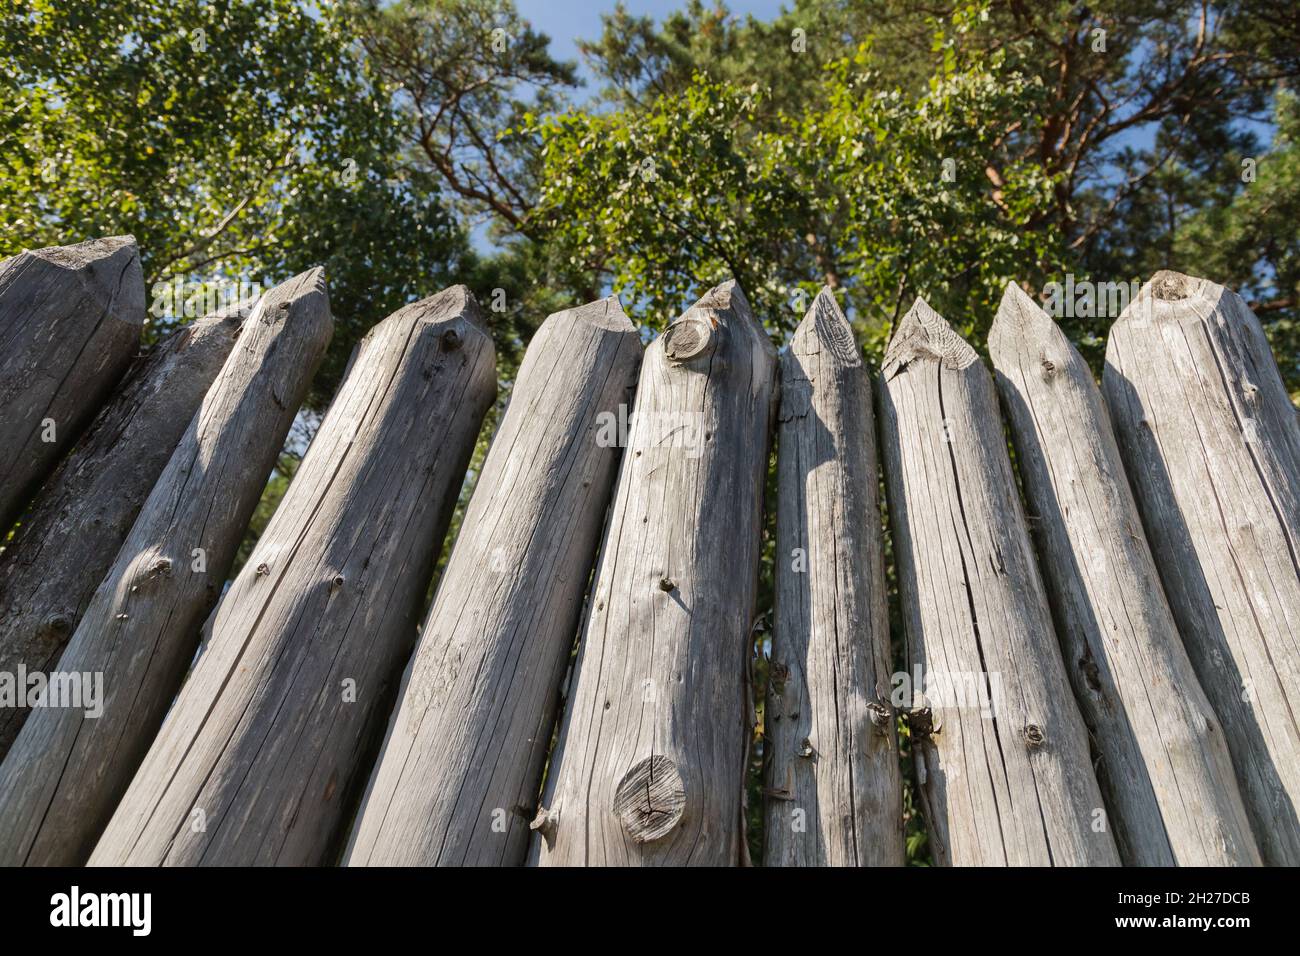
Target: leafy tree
{"x": 243, "y": 140}
{"x": 876, "y": 193}
{"x": 1251, "y": 243}
{"x": 464, "y": 72}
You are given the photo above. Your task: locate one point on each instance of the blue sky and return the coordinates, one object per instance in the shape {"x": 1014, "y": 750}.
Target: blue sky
{"x": 565, "y": 21}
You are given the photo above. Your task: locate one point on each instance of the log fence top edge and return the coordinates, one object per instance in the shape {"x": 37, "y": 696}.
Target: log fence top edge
{"x": 923, "y": 335}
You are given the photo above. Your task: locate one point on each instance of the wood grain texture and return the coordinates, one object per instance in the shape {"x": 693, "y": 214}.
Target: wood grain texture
{"x": 74, "y": 528}
{"x": 833, "y": 787}
{"x": 66, "y": 771}
{"x": 1164, "y": 767}
{"x": 264, "y": 753}
{"x": 650, "y": 765}
{"x": 1001, "y": 753}
{"x": 1212, "y": 446}
{"x": 458, "y": 779}
{"x": 70, "y": 320}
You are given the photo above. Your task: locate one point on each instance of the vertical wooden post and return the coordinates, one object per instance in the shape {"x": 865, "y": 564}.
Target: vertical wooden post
{"x": 1164, "y": 767}
{"x": 73, "y": 530}
{"x": 458, "y": 778}
{"x": 1003, "y": 767}
{"x": 70, "y": 319}
{"x": 651, "y": 761}
{"x": 69, "y": 766}
{"x": 834, "y": 793}
{"x": 263, "y": 755}
{"x": 1212, "y": 445}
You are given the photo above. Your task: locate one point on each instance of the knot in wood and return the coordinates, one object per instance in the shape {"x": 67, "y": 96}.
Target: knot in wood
{"x": 920, "y": 722}
{"x": 650, "y": 799}
{"x": 546, "y": 822}
{"x": 666, "y": 585}
{"x": 161, "y": 567}
{"x": 1034, "y": 736}
{"x": 58, "y": 623}
{"x": 1169, "y": 286}
{"x": 687, "y": 339}
{"x": 263, "y": 569}
{"x": 337, "y": 582}
{"x": 1048, "y": 369}
{"x": 880, "y": 716}
{"x": 450, "y": 340}
{"x": 778, "y": 673}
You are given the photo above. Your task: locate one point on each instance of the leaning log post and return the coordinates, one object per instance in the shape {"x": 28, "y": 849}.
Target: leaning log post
{"x": 458, "y": 778}
{"x": 270, "y": 741}
{"x": 1164, "y": 767}
{"x": 651, "y": 762}
{"x": 1002, "y": 763}
{"x": 834, "y": 793}
{"x": 67, "y": 769}
{"x": 76, "y": 525}
{"x": 70, "y": 320}
{"x": 1212, "y": 445}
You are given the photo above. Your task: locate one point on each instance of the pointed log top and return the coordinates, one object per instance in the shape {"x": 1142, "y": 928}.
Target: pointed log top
{"x": 91, "y": 251}
{"x": 1170, "y": 296}
{"x": 304, "y": 284}
{"x": 1020, "y": 320}
{"x": 606, "y": 313}
{"x": 923, "y": 335}
{"x": 451, "y": 302}
{"x": 108, "y": 268}
{"x": 306, "y": 292}
{"x": 824, "y": 329}
{"x": 691, "y": 335}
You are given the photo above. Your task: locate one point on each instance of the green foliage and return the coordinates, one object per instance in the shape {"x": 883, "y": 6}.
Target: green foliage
{"x": 465, "y": 72}
{"x": 1251, "y": 243}
{"x": 237, "y": 141}
{"x": 877, "y": 193}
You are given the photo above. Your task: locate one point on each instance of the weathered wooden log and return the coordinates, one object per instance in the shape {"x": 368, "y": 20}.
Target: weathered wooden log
{"x": 1003, "y": 770}
{"x": 264, "y": 753}
{"x": 67, "y": 770}
{"x": 1212, "y": 446}
{"x": 70, "y": 320}
{"x": 76, "y": 525}
{"x": 650, "y": 765}
{"x": 458, "y": 778}
{"x": 1164, "y": 767}
{"x": 834, "y": 793}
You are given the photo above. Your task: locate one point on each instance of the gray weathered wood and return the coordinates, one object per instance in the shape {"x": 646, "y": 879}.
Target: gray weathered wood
{"x": 70, "y": 319}
{"x": 834, "y": 792}
{"x": 270, "y": 740}
{"x": 1164, "y": 767}
{"x": 650, "y": 766}
{"x": 458, "y": 778}
{"x": 66, "y": 771}
{"x": 1212, "y": 446}
{"x": 74, "y": 528}
{"x": 1003, "y": 769}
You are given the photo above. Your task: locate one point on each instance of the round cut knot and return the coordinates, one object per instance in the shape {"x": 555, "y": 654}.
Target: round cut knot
{"x": 650, "y": 799}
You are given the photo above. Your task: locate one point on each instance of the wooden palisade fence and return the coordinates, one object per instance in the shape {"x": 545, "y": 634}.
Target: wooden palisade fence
{"x": 67, "y": 770}
{"x": 72, "y": 532}
{"x": 275, "y": 728}
{"x": 1106, "y": 673}
{"x": 457, "y": 779}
